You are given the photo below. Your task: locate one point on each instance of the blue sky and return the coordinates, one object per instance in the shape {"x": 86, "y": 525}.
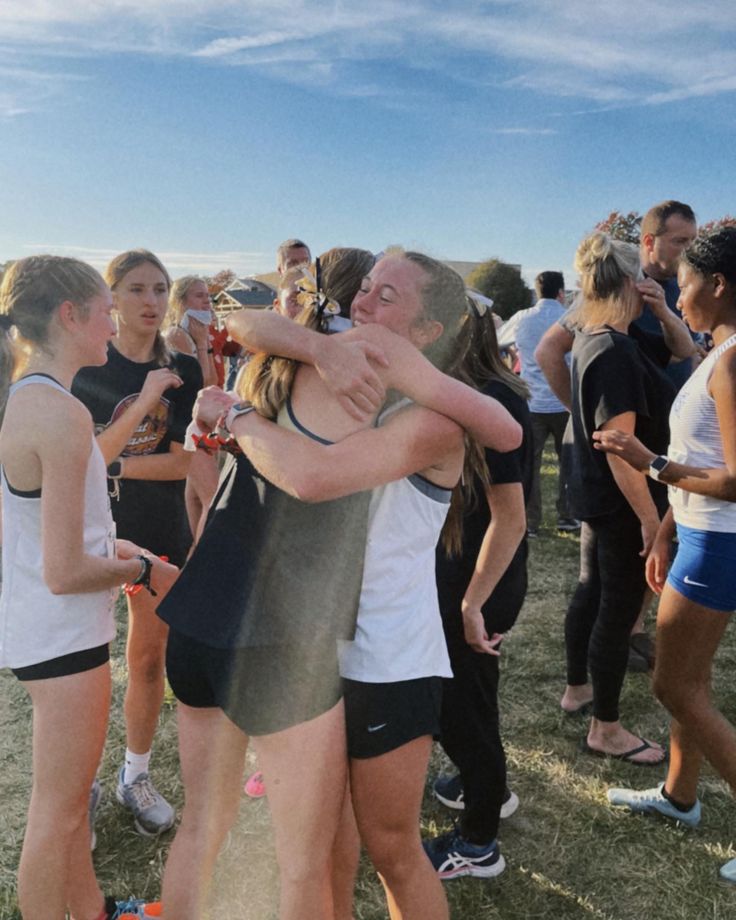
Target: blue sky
{"x": 210, "y": 130}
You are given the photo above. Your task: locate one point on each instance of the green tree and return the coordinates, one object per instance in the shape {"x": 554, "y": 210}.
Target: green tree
{"x": 503, "y": 284}
{"x": 625, "y": 227}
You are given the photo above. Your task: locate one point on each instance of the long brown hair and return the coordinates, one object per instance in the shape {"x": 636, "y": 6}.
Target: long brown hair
{"x": 267, "y": 379}
{"x": 478, "y": 362}
{"x": 119, "y": 268}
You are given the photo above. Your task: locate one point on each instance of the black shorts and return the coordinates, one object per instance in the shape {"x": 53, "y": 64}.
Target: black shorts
{"x": 383, "y": 717}
{"x": 64, "y": 665}
{"x": 263, "y": 689}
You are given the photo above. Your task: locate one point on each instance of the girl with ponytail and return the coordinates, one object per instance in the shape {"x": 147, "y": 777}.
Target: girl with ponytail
{"x": 615, "y": 386}
{"x": 141, "y": 403}
{"x": 60, "y": 567}
{"x": 481, "y": 585}
{"x": 288, "y": 526}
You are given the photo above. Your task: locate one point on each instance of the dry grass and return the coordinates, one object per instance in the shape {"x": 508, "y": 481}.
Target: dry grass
{"x": 569, "y": 855}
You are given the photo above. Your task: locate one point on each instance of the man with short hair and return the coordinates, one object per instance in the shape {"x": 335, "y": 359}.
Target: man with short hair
{"x": 292, "y": 253}
{"x": 548, "y": 414}
{"x": 667, "y": 229}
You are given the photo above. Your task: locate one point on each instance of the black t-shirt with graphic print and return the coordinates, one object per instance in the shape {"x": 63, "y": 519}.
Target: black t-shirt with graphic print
{"x": 151, "y": 513}
{"x": 612, "y": 374}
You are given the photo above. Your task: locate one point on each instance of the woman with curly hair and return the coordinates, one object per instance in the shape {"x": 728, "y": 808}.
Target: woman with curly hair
{"x": 699, "y": 594}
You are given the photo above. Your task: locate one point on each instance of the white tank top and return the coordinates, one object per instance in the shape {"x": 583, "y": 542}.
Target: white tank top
{"x": 695, "y": 440}
{"x": 399, "y": 633}
{"x": 36, "y": 625}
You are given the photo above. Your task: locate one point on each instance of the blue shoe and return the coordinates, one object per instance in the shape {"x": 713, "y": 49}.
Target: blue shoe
{"x": 95, "y": 795}
{"x": 452, "y": 857}
{"x": 132, "y": 909}
{"x": 728, "y": 872}
{"x": 651, "y": 801}
{"x": 449, "y": 791}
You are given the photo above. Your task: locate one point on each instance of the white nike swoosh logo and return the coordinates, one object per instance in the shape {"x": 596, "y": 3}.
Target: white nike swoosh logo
{"x": 375, "y": 728}
{"x": 698, "y": 584}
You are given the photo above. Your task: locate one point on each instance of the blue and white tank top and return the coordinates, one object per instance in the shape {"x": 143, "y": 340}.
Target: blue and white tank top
{"x": 695, "y": 440}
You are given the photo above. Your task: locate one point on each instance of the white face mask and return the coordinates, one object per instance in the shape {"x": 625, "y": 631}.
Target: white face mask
{"x": 202, "y": 316}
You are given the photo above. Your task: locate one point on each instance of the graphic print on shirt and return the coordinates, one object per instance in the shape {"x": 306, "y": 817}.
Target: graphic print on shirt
{"x": 150, "y": 432}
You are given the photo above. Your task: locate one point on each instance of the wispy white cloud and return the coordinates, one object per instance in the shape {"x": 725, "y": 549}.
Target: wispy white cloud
{"x": 524, "y": 131}
{"x": 624, "y": 54}
{"x": 177, "y": 262}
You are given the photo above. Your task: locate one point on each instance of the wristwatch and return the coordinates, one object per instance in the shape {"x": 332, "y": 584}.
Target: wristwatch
{"x": 115, "y": 469}
{"x": 657, "y": 466}
{"x": 235, "y": 412}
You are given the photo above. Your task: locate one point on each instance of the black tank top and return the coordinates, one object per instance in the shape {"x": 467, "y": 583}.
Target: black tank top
{"x": 271, "y": 570}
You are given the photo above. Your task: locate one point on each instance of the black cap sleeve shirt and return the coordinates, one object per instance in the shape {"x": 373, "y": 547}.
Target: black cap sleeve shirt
{"x": 611, "y": 375}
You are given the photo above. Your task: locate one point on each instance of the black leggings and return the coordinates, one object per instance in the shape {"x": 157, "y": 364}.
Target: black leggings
{"x": 470, "y": 729}
{"x": 604, "y": 607}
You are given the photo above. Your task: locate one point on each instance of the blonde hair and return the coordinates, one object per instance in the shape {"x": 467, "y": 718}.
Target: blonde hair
{"x": 607, "y": 270}
{"x": 31, "y": 292}
{"x": 178, "y": 292}
{"x": 119, "y": 268}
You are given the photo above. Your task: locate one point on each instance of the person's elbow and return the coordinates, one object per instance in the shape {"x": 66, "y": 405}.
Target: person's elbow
{"x": 312, "y": 486}
{"x": 60, "y": 579}
{"x": 509, "y": 437}
{"x": 181, "y": 462}
{"x": 239, "y": 327}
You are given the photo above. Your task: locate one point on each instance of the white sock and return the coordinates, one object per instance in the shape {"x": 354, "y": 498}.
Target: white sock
{"x": 135, "y": 764}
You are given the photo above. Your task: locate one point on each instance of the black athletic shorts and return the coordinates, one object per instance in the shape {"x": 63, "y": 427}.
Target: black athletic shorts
{"x": 263, "y": 689}
{"x": 64, "y": 665}
{"x": 383, "y": 717}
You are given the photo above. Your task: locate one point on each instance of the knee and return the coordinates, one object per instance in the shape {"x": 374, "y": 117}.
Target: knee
{"x": 148, "y": 667}
{"x": 58, "y": 817}
{"x": 208, "y": 825}
{"x": 302, "y": 867}
{"x": 394, "y": 854}
{"x": 678, "y": 698}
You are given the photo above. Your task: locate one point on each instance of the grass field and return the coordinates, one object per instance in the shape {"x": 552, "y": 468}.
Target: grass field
{"x": 569, "y": 855}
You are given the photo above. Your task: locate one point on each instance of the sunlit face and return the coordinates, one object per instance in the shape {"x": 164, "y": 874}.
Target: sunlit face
{"x": 664, "y": 251}
{"x": 297, "y": 255}
{"x": 391, "y": 296}
{"x": 197, "y": 297}
{"x": 98, "y": 328}
{"x": 287, "y": 304}
{"x": 697, "y": 302}
{"x": 141, "y": 299}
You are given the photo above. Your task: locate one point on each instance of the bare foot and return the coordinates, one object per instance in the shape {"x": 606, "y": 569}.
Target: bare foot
{"x": 576, "y": 698}
{"x": 613, "y": 739}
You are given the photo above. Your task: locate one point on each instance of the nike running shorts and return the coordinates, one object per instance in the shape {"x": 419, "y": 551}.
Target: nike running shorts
{"x": 704, "y": 570}
{"x": 383, "y": 717}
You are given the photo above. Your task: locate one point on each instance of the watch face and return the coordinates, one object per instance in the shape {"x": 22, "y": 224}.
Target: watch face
{"x": 240, "y": 407}
{"x": 659, "y": 463}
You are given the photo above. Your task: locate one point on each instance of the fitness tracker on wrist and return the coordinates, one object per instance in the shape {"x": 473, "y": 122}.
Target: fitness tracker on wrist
{"x": 115, "y": 469}
{"x": 658, "y": 466}
{"x": 235, "y": 412}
